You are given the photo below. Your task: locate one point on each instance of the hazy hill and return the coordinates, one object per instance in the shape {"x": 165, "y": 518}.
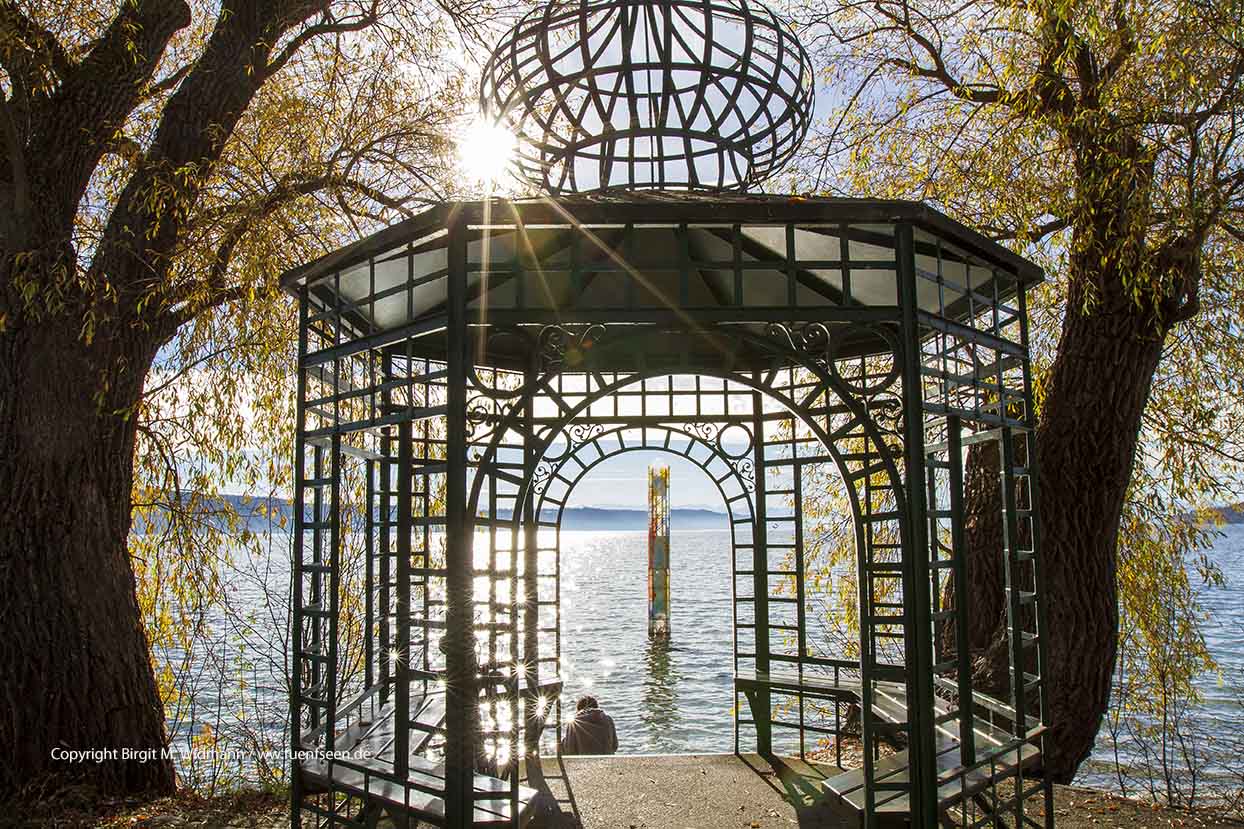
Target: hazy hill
{"x": 258, "y": 511}
{"x": 595, "y": 518}
{"x": 1232, "y": 514}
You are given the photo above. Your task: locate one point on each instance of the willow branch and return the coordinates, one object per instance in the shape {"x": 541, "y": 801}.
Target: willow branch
{"x": 311, "y": 32}
{"x": 215, "y": 291}
{"x": 26, "y": 48}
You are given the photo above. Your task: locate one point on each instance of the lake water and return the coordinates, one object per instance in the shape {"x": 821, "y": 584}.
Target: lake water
{"x": 679, "y": 700}
{"x": 664, "y": 698}
{"x": 678, "y": 697}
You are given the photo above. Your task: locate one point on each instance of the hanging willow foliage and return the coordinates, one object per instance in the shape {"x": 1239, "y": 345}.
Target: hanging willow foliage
{"x": 161, "y": 163}
{"x": 1105, "y": 140}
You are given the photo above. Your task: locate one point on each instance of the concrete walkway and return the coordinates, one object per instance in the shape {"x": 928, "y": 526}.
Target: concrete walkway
{"x": 688, "y": 791}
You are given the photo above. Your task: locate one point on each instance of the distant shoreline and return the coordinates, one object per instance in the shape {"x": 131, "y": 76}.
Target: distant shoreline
{"x": 1231, "y": 513}
{"x": 262, "y": 511}
{"x": 681, "y": 518}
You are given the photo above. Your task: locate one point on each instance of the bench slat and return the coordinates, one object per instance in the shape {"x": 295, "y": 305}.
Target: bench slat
{"x": 954, "y": 782}
{"x": 809, "y": 686}
{"x": 493, "y": 811}
{"x": 369, "y": 741}
{"x": 890, "y": 778}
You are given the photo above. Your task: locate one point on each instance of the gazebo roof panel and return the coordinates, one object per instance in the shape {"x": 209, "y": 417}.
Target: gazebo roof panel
{"x": 426, "y": 231}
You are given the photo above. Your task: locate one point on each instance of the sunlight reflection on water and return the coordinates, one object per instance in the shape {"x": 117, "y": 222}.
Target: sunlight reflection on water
{"x": 664, "y": 697}
{"x": 673, "y": 697}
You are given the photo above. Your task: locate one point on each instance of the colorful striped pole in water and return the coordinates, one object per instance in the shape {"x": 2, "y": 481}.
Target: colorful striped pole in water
{"x": 658, "y": 551}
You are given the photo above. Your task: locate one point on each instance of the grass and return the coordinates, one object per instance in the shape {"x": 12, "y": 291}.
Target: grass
{"x": 79, "y": 806}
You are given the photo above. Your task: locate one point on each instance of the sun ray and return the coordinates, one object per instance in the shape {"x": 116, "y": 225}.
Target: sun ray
{"x": 485, "y": 152}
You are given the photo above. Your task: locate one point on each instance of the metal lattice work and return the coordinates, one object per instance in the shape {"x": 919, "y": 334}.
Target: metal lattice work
{"x": 628, "y": 94}
{"x": 460, "y": 375}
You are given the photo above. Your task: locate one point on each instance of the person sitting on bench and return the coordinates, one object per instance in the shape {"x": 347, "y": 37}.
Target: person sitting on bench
{"x": 591, "y": 731}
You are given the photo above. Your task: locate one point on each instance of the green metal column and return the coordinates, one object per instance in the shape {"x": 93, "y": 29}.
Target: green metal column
{"x": 295, "y": 712}
{"x": 915, "y": 555}
{"x": 461, "y": 692}
{"x": 801, "y": 620}
{"x": 958, "y": 546}
{"x": 531, "y": 569}
{"x": 762, "y": 704}
{"x": 385, "y": 543}
{"x": 401, "y": 667}
{"x": 1034, "y": 470}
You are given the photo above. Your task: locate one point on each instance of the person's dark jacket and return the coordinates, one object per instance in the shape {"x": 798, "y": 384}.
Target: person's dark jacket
{"x": 590, "y": 732}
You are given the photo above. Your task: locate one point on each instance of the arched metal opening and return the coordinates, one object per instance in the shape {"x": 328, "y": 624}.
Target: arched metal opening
{"x": 447, "y": 357}
{"x": 730, "y": 476}
{"x": 843, "y": 428}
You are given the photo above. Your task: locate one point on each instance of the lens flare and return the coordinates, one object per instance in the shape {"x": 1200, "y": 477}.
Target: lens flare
{"x": 485, "y": 151}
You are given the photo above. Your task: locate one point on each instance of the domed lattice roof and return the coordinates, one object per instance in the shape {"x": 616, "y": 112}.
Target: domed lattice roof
{"x": 650, "y": 94}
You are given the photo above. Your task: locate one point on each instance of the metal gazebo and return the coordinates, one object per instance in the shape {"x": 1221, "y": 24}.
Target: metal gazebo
{"x": 460, "y": 373}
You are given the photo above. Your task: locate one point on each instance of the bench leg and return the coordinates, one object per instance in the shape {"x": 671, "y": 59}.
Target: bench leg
{"x": 371, "y": 815}
{"x": 757, "y": 702}
{"x": 988, "y": 808}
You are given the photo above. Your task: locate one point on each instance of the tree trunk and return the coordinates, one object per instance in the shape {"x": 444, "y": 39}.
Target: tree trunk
{"x": 74, "y": 667}
{"x": 982, "y": 531}
{"x": 1120, "y": 303}
{"x": 1086, "y": 443}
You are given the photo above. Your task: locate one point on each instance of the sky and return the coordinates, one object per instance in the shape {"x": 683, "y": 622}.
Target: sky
{"x": 622, "y": 483}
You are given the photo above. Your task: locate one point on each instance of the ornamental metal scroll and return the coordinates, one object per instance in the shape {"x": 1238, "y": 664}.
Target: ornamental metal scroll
{"x": 608, "y": 443}
{"x": 874, "y": 373}
{"x": 563, "y": 347}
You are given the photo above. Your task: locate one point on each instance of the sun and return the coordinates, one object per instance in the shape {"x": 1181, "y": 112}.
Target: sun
{"x": 485, "y": 151}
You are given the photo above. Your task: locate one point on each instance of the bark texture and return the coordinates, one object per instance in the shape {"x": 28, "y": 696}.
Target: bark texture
{"x": 982, "y": 531}
{"x": 76, "y": 671}
{"x": 1086, "y": 443}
